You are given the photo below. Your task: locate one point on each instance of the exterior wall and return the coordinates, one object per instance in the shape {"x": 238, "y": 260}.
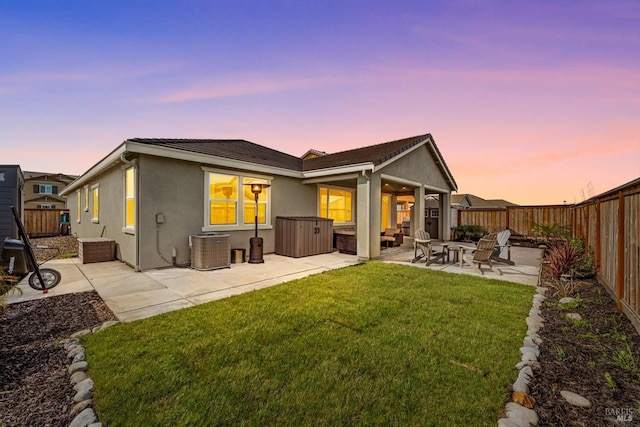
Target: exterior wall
{"x": 11, "y": 183}
{"x": 110, "y": 216}
{"x": 175, "y": 189}
{"x": 418, "y": 166}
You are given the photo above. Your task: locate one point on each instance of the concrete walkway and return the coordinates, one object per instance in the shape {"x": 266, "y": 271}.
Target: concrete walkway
{"x": 132, "y": 296}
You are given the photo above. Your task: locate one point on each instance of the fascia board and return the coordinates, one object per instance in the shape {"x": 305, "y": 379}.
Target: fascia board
{"x": 329, "y": 178}
{"x": 339, "y": 170}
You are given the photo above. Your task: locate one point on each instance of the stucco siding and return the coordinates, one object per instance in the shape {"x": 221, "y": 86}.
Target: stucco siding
{"x": 110, "y": 213}
{"x": 175, "y": 189}
{"x": 418, "y": 166}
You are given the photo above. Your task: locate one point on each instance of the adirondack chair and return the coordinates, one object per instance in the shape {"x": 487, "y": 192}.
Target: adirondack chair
{"x": 481, "y": 253}
{"x": 502, "y": 251}
{"x": 422, "y": 242}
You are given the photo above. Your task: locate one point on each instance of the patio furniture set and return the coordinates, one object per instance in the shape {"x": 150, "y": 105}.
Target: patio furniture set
{"x": 492, "y": 247}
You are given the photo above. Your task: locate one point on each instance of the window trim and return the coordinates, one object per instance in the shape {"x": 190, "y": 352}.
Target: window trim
{"x": 353, "y": 203}
{"x": 239, "y": 225}
{"x": 126, "y": 227}
{"x": 95, "y": 190}
{"x": 86, "y": 198}
{"x": 434, "y": 213}
{"x": 79, "y": 204}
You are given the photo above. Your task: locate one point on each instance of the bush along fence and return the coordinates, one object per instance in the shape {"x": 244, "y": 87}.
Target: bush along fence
{"x": 609, "y": 223}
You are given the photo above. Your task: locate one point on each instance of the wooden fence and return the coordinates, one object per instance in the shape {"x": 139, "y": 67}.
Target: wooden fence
{"x": 609, "y": 223}
{"x": 43, "y": 222}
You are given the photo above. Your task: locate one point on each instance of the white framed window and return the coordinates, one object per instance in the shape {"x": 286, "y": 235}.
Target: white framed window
{"x": 78, "y": 205}
{"x": 86, "y": 198}
{"x": 45, "y": 189}
{"x": 336, "y": 203}
{"x": 129, "y": 199}
{"x": 230, "y": 205}
{"x": 95, "y": 200}
{"x": 434, "y": 213}
{"x": 46, "y": 206}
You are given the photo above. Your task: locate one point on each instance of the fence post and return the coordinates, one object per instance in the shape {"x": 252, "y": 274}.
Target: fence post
{"x": 620, "y": 260}
{"x": 598, "y": 238}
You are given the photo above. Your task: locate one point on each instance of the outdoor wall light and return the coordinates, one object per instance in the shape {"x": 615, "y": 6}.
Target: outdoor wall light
{"x": 255, "y": 243}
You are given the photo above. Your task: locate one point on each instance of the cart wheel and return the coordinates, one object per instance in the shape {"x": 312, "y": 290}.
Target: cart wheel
{"x": 50, "y": 276}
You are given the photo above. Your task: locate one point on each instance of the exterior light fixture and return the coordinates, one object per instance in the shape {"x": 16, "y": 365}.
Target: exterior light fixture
{"x": 255, "y": 243}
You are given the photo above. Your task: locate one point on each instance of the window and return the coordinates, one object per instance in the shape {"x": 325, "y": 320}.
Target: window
{"x": 385, "y": 213}
{"x": 249, "y": 200}
{"x": 86, "y": 198}
{"x": 129, "y": 198}
{"x": 336, "y": 204}
{"x": 96, "y": 204}
{"x": 78, "y": 205}
{"x": 45, "y": 189}
{"x": 46, "y": 206}
{"x": 434, "y": 213}
{"x": 230, "y": 203}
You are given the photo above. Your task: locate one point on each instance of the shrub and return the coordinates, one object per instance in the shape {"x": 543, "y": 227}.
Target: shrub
{"x": 550, "y": 231}
{"x": 470, "y": 231}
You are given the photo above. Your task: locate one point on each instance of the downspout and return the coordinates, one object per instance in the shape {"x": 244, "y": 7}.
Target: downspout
{"x": 136, "y": 247}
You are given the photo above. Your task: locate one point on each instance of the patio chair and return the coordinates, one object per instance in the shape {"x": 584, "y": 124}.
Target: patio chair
{"x": 502, "y": 251}
{"x": 391, "y": 237}
{"x": 422, "y": 242}
{"x": 481, "y": 254}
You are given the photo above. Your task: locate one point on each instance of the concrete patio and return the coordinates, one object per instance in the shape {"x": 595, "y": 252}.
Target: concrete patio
{"x": 132, "y": 296}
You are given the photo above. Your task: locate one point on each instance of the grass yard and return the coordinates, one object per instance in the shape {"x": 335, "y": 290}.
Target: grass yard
{"x": 373, "y": 344}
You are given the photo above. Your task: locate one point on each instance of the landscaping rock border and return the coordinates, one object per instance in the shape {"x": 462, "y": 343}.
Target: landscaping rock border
{"x": 84, "y": 415}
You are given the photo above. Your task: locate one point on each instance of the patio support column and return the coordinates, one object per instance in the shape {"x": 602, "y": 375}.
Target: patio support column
{"x": 375, "y": 217}
{"x": 445, "y": 216}
{"x": 418, "y": 209}
{"x": 363, "y": 205}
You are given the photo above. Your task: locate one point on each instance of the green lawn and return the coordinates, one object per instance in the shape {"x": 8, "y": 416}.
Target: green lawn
{"x": 376, "y": 343}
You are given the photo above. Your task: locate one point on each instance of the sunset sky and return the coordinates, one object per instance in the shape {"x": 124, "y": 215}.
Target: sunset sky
{"x": 535, "y": 102}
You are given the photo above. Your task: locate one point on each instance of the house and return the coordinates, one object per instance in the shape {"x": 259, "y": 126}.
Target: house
{"x": 469, "y": 201}
{"x": 11, "y": 194}
{"x": 150, "y": 195}
{"x": 42, "y": 190}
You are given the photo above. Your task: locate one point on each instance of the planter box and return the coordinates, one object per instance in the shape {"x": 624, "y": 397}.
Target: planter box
{"x": 96, "y": 249}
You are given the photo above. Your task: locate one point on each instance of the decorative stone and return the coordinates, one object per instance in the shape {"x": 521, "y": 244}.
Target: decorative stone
{"x": 79, "y": 407}
{"x": 84, "y": 418}
{"x": 520, "y": 415}
{"x": 575, "y": 399}
{"x": 566, "y": 300}
{"x": 66, "y": 344}
{"x": 526, "y": 374}
{"x": 78, "y": 377}
{"x": 80, "y": 357}
{"x": 82, "y": 395}
{"x": 520, "y": 386}
{"x": 75, "y": 350}
{"x": 109, "y": 323}
{"x": 81, "y": 333}
{"x": 574, "y": 316}
{"x": 529, "y": 357}
{"x": 84, "y": 385}
{"x": 532, "y": 363}
{"x": 95, "y": 425}
{"x": 541, "y": 290}
{"x": 533, "y": 350}
{"x": 523, "y": 399}
{"x": 78, "y": 366}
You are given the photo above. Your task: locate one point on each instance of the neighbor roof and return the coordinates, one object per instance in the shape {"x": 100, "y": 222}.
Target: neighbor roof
{"x": 236, "y": 149}
{"x": 479, "y": 202}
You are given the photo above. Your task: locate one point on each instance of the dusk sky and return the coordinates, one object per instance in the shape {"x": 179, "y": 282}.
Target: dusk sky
{"x": 535, "y": 102}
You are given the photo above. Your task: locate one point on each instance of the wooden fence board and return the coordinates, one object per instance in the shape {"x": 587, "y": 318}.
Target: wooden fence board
{"x": 42, "y": 222}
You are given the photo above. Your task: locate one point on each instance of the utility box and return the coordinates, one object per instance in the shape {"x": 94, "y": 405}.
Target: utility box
{"x": 210, "y": 251}
{"x": 11, "y": 194}
{"x": 96, "y": 249}
{"x": 303, "y": 236}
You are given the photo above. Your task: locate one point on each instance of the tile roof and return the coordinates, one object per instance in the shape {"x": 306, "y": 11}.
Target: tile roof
{"x": 236, "y": 149}
{"x": 375, "y": 154}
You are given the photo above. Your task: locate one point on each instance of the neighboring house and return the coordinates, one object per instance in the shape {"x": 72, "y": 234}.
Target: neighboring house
{"x": 11, "y": 194}
{"x": 150, "y": 195}
{"x": 42, "y": 190}
{"x": 469, "y": 201}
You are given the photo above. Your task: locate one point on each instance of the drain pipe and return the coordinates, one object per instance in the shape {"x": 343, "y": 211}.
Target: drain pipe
{"x": 136, "y": 247}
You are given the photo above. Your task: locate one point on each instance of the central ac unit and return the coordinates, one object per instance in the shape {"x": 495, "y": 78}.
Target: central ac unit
{"x": 210, "y": 251}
